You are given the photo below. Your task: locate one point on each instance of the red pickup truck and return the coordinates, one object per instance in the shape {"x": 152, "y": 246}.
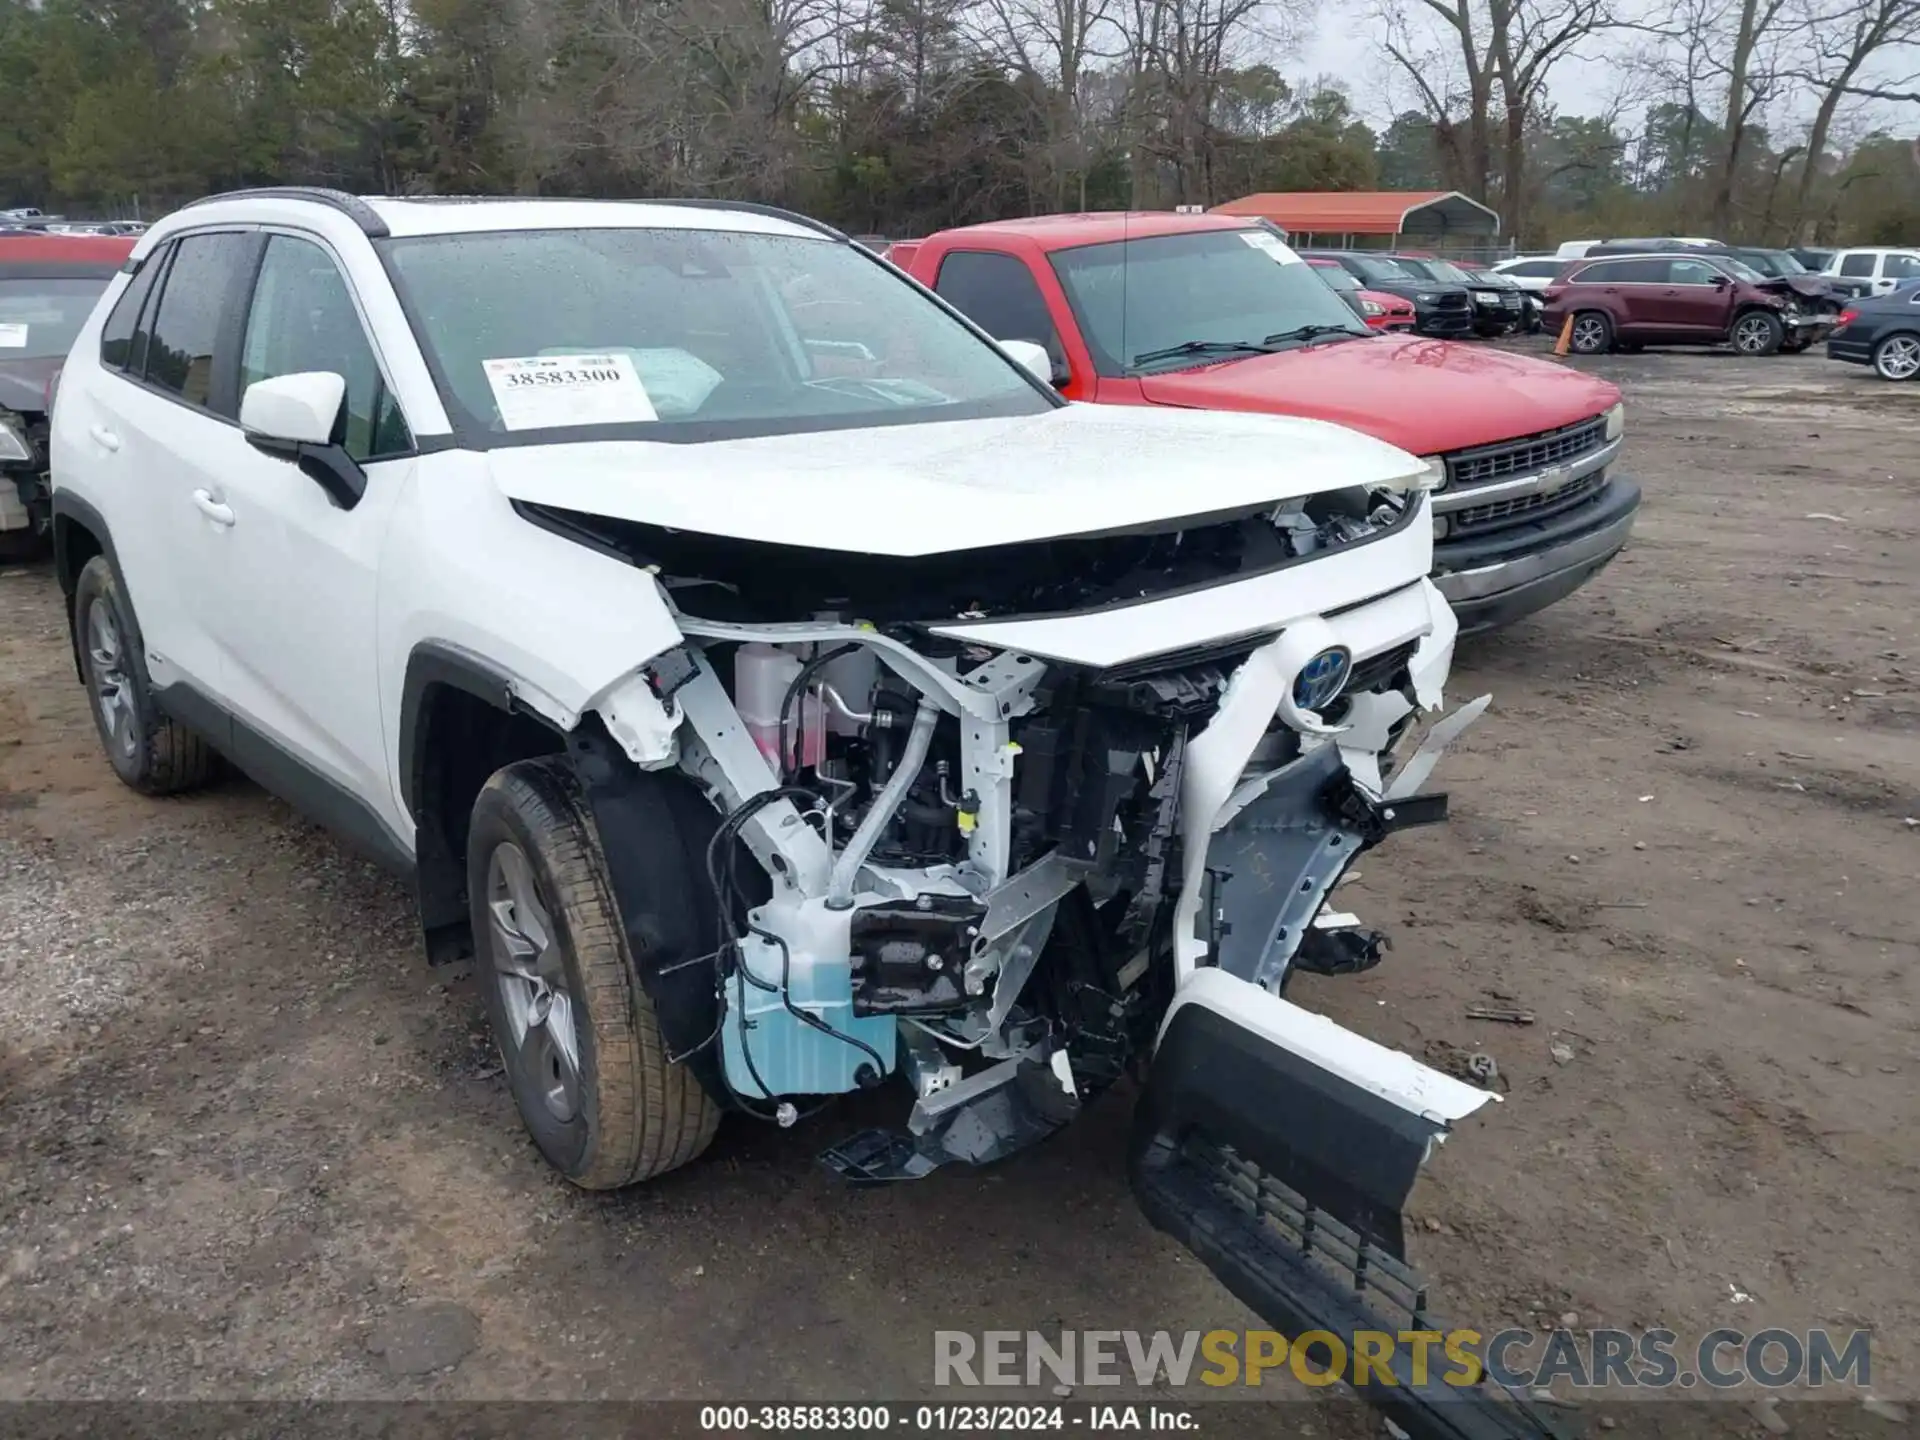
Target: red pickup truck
{"x": 1216, "y": 312}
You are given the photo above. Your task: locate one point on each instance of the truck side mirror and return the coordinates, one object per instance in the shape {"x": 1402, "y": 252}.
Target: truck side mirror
{"x": 1031, "y": 357}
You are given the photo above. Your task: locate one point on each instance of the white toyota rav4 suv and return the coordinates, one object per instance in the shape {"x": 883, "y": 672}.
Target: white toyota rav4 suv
{"x": 782, "y": 692}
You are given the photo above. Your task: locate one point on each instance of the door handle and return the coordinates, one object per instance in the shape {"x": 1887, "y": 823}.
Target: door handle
{"x": 218, "y": 513}
{"x": 103, "y": 437}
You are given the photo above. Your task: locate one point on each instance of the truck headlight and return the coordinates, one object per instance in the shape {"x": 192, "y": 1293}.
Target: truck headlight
{"x": 13, "y": 442}
{"x": 1616, "y": 422}
{"x": 1434, "y": 477}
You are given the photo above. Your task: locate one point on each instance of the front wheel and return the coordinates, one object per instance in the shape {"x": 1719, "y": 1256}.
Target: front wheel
{"x": 1592, "y": 333}
{"x": 1758, "y": 332}
{"x": 1897, "y": 357}
{"x": 577, "y": 1033}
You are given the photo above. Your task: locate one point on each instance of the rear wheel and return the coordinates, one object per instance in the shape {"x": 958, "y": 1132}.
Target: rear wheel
{"x": 151, "y": 753}
{"x": 1758, "y": 332}
{"x": 1897, "y": 357}
{"x": 577, "y": 1032}
{"x": 1592, "y": 333}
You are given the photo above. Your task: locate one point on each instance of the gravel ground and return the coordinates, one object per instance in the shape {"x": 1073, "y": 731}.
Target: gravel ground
{"x": 252, "y": 1147}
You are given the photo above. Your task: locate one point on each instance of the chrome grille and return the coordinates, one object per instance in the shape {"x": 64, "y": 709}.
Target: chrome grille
{"x": 1502, "y": 512}
{"x": 1525, "y": 455}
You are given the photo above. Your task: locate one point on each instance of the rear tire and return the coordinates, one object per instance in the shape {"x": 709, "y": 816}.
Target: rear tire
{"x": 148, "y": 751}
{"x": 1758, "y": 332}
{"x": 1897, "y": 357}
{"x": 576, "y": 1030}
{"x": 1592, "y": 333}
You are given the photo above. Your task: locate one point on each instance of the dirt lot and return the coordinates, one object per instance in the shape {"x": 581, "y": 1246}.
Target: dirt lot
{"x": 243, "y": 1129}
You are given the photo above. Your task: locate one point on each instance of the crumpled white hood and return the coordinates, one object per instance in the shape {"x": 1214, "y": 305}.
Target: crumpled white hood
{"x": 927, "y": 488}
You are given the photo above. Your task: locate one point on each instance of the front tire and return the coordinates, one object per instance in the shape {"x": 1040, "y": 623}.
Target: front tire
{"x": 576, "y": 1031}
{"x": 1758, "y": 332}
{"x": 1592, "y": 333}
{"x": 1897, "y": 357}
{"x": 148, "y": 751}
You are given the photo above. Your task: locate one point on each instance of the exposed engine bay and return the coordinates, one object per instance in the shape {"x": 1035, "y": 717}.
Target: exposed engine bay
{"x": 988, "y": 870}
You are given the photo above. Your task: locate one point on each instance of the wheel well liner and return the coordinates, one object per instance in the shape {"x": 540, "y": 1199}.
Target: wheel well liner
{"x": 459, "y": 723}
{"x": 79, "y": 534}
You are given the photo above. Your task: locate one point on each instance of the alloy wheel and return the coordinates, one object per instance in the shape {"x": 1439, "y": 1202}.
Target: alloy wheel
{"x": 112, "y": 689}
{"x": 532, "y": 979}
{"x": 1750, "y": 336}
{"x": 1589, "y": 334}
{"x": 1898, "y": 357}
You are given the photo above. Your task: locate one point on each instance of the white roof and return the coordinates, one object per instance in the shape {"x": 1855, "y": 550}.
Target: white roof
{"x": 456, "y": 216}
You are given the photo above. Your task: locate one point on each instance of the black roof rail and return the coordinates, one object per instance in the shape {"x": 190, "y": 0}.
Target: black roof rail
{"x": 352, "y": 206}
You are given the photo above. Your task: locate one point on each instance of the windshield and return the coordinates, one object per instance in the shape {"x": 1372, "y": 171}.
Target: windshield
{"x": 1206, "y": 293}
{"x": 1337, "y": 278}
{"x": 1442, "y": 270}
{"x": 1773, "y": 262}
{"x": 684, "y": 334}
{"x": 1372, "y": 267}
{"x": 1740, "y": 269}
{"x": 39, "y": 318}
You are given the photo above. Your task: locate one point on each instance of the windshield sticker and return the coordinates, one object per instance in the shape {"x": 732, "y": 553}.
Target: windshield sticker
{"x": 1276, "y": 252}
{"x": 13, "y": 337}
{"x": 553, "y": 392}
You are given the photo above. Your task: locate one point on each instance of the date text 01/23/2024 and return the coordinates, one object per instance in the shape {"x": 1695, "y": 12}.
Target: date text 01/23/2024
{"x": 942, "y": 1419}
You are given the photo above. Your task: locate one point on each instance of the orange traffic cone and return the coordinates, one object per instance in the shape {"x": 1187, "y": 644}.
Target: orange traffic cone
{"x": 1565, "y": 343}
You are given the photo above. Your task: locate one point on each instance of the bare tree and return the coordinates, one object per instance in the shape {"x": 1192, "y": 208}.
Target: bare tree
{"x": 1480, "y": 68}
{"x": 1839, "y": 48}
{"x": 1054, "y": 43}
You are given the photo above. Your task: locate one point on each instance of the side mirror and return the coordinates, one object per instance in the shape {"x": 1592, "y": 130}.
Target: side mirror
{"x": 294, "y": 409}
{"x": 1031, "y": 357}
{"x": 1720, "y": 282}
{"x": 292, "y": 417}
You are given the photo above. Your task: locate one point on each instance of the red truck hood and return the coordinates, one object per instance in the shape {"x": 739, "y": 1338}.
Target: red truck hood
{"x": 1424, "y": 396}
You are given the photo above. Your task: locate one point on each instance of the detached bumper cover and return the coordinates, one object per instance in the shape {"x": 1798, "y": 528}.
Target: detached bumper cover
{"x": 1496, "y": 579}
{"x": 1280, "y": 1149}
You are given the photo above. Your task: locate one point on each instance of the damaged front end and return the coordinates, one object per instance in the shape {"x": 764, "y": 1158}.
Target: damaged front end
{"x": 1062, "y": 830}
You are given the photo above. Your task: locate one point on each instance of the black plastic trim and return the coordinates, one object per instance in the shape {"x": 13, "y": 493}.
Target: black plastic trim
{"x": 352, "y": 206}
{"x": 70, "y": 507}
{"x": 431, "y": 664}
{"x": 270, "y": 765}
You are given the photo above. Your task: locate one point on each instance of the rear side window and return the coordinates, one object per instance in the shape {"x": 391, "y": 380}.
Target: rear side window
{"x": 1645, "y": 270}
{"x": 117, "y": 335}
{"x": 999, "y": 294}
{"x": 1901, "y": 267}
{"x": 1534, "y": 269}
{"x": 1857, "y": 265}
{"x": 191, "y": 326}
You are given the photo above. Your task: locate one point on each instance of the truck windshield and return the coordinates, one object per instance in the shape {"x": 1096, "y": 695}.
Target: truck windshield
{"x": 685, "y": 335}
{"x": 39, "y": 318}
{"x": 1166, "y": 301}
{"x": 1372, "y": 267}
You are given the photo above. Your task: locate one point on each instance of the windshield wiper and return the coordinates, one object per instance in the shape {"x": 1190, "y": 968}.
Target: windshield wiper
{"x": 1201, "y": 347}
{"x": 1308, "y": 332}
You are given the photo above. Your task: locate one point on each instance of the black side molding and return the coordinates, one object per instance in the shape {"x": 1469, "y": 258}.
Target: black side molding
{"x": 314, "y": 795}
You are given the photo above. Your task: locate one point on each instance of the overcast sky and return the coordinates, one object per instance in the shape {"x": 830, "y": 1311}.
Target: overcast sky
{"x": 1345, "y": 45}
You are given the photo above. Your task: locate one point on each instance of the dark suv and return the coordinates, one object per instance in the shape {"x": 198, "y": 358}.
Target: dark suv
{"x": 1439, "y": 307}
{"x": 1698, "y": 297}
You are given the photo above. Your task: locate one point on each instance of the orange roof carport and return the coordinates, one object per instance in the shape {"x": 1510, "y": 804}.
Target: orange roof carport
{"x": 1368, "y": 212}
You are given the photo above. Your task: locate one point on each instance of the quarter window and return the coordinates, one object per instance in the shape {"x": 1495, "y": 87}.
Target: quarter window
{"x": 117, "y": 335}
{"x": 303, "y": 319}
{"x": 183, "y": 356}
